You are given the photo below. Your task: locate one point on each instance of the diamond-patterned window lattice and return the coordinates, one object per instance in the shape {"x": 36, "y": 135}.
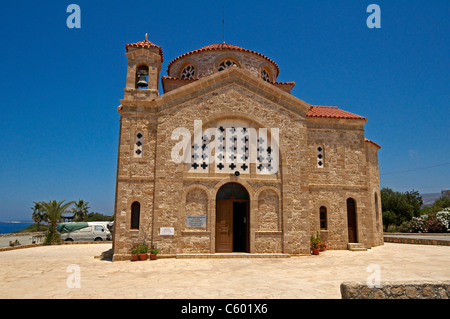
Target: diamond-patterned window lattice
{"x": 225, "y": 65}
{"x": 265, "y": 76}
{"x": 320, "y": 157}
{"x": 138, "y": 144}
{"x": 188, "y": 72}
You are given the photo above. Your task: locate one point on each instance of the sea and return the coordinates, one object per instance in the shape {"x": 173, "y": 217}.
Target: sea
{"x": 7, "y": 227}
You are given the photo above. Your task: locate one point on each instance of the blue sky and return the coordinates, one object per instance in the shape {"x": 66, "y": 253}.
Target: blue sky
{"x": 61, "y": 87}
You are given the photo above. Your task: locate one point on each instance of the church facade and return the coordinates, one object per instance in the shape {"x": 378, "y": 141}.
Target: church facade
{"x": 228, "y": 160}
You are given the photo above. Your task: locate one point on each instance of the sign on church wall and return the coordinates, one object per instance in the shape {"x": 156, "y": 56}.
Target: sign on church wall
{"x": 168, "y": 231}
{"x": 196, "y": 221}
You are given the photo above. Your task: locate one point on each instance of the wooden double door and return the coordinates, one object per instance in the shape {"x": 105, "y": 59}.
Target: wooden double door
{"x": 232, "y": 225}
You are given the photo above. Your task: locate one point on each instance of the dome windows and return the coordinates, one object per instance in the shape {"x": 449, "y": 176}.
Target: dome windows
{"x": 188, "y": 72}
{"x": 265, "y": 75}
{"x": 226, "y": 64}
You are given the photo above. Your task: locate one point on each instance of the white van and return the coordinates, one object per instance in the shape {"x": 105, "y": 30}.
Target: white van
{"x": 90, "y": 231}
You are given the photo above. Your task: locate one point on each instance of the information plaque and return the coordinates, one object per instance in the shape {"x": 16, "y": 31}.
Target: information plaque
{"x": 196, "y": 221}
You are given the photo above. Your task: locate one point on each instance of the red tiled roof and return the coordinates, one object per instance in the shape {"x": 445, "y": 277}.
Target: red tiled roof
{"x": 369, "y": 141}
{"x": 145, "y": 44}
{"x": 219, "y": 47}
{"x": 331, "y": 112}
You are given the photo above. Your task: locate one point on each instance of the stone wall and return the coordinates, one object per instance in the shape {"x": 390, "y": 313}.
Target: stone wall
{"x": 397, "y": 290}
{"x": 284, "y": 207}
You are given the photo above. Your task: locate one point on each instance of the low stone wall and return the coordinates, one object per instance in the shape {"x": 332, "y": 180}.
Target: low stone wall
{"x": 418, "y": 239}
{"x": 397, "y": 290}
{"x": 63, "y": 243}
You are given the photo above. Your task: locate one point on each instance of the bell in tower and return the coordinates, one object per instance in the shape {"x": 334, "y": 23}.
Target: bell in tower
{"x": 144, "y": 65}
{"x": 142, "y": 75}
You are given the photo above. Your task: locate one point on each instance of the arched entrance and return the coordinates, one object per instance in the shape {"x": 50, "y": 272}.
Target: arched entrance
{"x": 232, "y": 219}
{"x": 351, "y": 220}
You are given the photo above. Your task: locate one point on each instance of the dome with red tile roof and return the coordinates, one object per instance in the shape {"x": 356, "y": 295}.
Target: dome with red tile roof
{"x": 216, "y": 57}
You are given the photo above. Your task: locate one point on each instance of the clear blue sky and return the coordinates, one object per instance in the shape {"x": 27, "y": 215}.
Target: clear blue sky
{"x": 61, "y": 87}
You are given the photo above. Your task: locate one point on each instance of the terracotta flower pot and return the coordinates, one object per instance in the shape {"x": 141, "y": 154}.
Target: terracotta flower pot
{"x": 315, "y": 251}
{"x": 134, "y": 257}
{"x": 143, "y": 256}
{"x": 152, "y": 256}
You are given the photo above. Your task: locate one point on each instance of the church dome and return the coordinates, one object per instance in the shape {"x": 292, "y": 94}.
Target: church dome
{"x": 219, "y": 56}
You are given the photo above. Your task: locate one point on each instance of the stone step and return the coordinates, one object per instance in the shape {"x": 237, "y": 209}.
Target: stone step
{"x": 356, "y": 247}
{"x": 224, "y": 255}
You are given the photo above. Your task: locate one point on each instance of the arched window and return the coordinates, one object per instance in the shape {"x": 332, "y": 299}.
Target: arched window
{"x": 323, "y": 218}
{"x": 226, "y": 64}
{"x": 188, "y": 72}
{"x": 265, "y": 75}
{"x": 135, "y": 215}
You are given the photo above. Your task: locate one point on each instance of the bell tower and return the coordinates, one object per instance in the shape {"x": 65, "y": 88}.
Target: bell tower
{"x": 144, "y": 64}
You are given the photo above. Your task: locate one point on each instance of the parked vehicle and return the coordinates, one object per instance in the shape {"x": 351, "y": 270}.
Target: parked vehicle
{"x": 90, "y": 231}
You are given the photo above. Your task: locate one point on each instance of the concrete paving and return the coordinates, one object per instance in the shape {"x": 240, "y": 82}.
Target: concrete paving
{"x": 53, "y": 272}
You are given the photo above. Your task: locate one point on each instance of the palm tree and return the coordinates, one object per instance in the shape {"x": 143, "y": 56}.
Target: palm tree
{"x": 38, "y": 214}
{"x": 54, "y": 211}
{"x": 80, "y": 210}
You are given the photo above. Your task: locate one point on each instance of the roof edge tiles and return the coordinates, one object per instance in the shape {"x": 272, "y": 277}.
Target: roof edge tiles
{"x": 331, "y": 112}
{"x": 220, "y": 47}
{"x": 372, "y": 142}
{"x": 145, "y": 44}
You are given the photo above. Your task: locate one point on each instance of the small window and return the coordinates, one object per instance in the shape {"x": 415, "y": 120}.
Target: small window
{"x": 377, "y": 214}
{"x": 265, "y": 75}
{"x": 188, "y": 72}
{"x": 320, "y": 157}
{"x": 323, "y": 217}
{"x": 135, "y": 215}
{"x": 98, "y": 228}
{"x": 226, "y": 64}
{"x": 138, "y": 144}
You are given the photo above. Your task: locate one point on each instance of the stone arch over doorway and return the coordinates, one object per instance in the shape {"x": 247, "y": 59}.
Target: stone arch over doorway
{"x": 232, "y": 231}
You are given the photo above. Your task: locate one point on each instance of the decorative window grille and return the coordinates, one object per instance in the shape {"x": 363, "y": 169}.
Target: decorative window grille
{"x": 188, "y": 72}
{"x": 320, "y": 157}
{"x": 229, "y": 151}
{"x": 226, "y": 64}
{"x": 138, "y": 144}
{"x": 265, "y": 76}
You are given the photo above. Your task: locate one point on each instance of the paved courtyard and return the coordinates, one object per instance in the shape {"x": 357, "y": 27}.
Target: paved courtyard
{"x": 46, "y": 272}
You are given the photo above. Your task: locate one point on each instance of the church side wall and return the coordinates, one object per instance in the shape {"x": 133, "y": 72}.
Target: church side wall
{"x": 344, "y": 175}
{"x": 135, "y": 183}
{"x": 374, "y": 194}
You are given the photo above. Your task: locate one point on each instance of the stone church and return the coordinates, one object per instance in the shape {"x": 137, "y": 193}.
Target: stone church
{"x": 227, "y": 160}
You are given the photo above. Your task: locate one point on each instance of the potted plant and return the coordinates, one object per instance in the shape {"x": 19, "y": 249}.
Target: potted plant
{"x": 143, "y": 252}
{"x": 323, "y": 246}
{"x": 315, "y": 244}
{"x": 153, "y": 253}
{"x": 134, "y": 254}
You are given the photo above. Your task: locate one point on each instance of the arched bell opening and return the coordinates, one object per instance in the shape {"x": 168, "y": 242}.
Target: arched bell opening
{"x": 142, "y": 77}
